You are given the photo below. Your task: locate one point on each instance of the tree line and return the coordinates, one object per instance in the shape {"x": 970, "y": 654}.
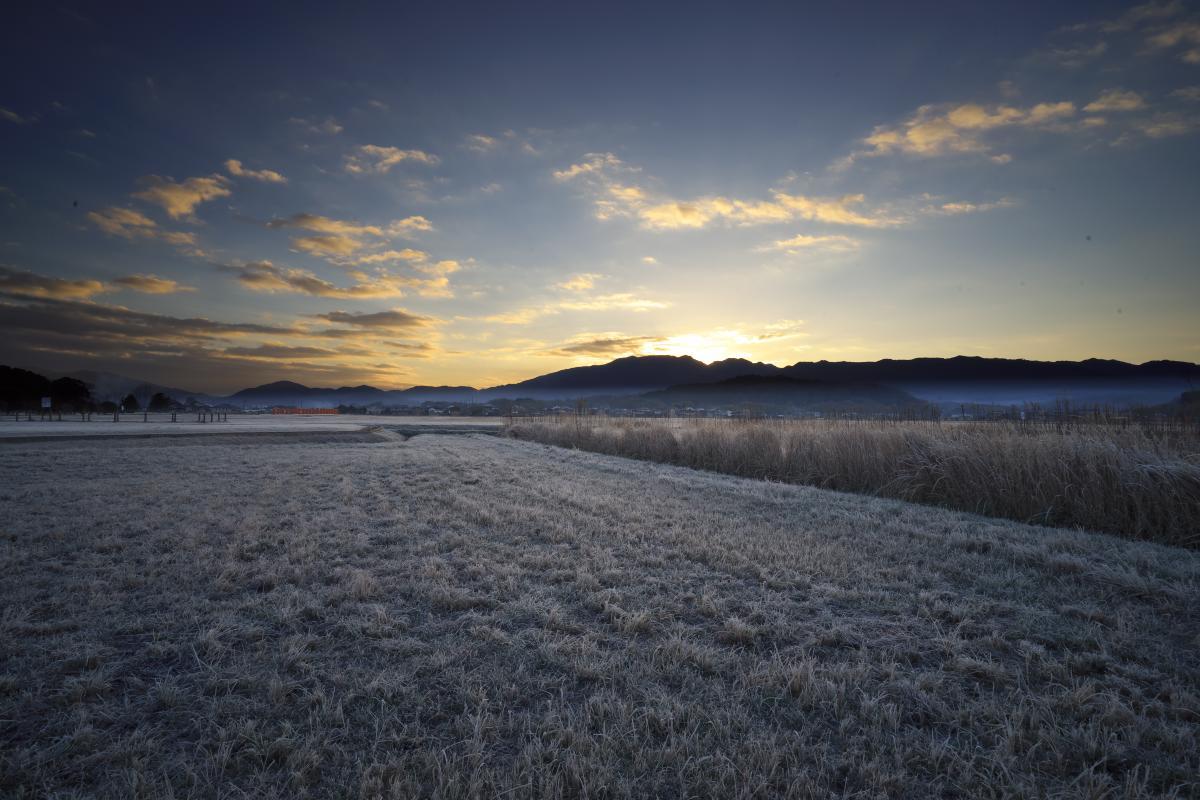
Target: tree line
{"x": 23, "y": 390}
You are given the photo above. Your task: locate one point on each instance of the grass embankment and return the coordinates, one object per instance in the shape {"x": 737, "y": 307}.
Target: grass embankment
{"x": 1127, "y": 481}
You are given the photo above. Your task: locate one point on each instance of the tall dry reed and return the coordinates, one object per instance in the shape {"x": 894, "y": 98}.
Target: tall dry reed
{"x": 1127, "y": 481}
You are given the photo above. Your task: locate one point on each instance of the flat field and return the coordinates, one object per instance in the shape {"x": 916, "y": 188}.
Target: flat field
{"x": 386, "y": 615}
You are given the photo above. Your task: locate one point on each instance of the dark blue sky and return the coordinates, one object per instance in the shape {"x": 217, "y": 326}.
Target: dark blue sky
{"x": 475, "y": 193}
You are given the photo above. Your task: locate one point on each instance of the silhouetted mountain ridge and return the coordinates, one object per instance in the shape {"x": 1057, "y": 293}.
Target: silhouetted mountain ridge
{"x": 637, "y": 373}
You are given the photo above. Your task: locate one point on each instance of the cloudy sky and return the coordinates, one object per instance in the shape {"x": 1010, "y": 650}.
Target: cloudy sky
{"x": 457, "y": 193}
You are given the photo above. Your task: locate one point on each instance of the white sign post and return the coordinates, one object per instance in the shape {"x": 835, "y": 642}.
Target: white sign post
{"x": 46, "y": 403}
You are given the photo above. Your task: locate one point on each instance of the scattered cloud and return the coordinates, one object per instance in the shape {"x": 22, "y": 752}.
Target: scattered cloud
{"x": 509, "y": 140}
{"x": 594, "y": 163}
{"x": 328, "y": 126}
{"x": 123, "y": 222}
{"x": 1185, "y": 34}
{"x": 521, "y": 316}
{"x": 959, "y": 207}
{"x": 941, "y": 130}
{"x": 180, "y": 199}
{"x": 116, "y": 327}
{"x": 12, "y": 116}
{"x": 649, "y": 260}
{"x": 393, "y": 256}
{"x": 621, "y": 301}
{"x": 409, "y": 226}
{"x": 617, "y": 301}
{"x": 336, "y": 238}
{"x": 1077, "y": 56}
{"x": 130, "y": 224}
{"x": 1115, "y": 100}
{"x": 30, "y": 284}
{"x": 1190, "y": 94}
{"x": 184, "y": 350}
{"x": 802, "y": 243}
{"x": 273, "y": 352}
{"x": 1166, "y": 124}
{"x": 1136, "y": 17}
{"x": 480, "y": 143}
{"x": 151, "y": 284}
{"x": 320, "y": 224}
{"x": 397, "y": 319}
{"x": 579, "y": 283}
{"x": 264, "y": 276}
{"x": 371, "y": 158}
{"x": 331, "y": 245}
{"x": 604, "y": 345}
{"x": 235, "y": 168}
{"x": 605, "y": 176}
{"x": 411, "y": 349}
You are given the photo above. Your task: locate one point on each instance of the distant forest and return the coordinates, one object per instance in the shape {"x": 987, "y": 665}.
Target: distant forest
{"x": 22, "y": 390}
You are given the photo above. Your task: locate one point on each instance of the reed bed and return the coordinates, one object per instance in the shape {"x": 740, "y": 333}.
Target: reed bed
{"x": 1127, "y": 480}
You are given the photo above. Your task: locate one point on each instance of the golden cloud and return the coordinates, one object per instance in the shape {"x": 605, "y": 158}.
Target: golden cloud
{"x": 939, "y": 130}
{"x": 151, "y": 284}
{"x": 235, "y": 168}
{"x": 1182, "y": 33}
{"x": 371, "y": 158}
{"x": 180, "y": 199}
{"x": 30, "y": 284}
{"x": 264, "y": 276}
{"x": 802, "y": 243}
{"x": 391, "y": 256}
{"x": 130, "y": 224}
{"x": 332, "y": 245}
{"x": 1115, "y": 100}
{"x": 340, "y": 238}
{"x": 579, "y": 283}
{"x": 615, "y": 198}
{"x": 397, "y": 319}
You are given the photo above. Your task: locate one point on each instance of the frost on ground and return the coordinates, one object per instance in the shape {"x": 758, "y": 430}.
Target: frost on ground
{"x": 471, "y": 616}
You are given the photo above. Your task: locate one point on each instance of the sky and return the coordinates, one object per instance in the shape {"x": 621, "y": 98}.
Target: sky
{"x": 218, "y": 196}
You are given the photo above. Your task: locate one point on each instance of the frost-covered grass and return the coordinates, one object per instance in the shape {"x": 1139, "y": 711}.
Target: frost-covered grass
{"x": 473, "y": 616}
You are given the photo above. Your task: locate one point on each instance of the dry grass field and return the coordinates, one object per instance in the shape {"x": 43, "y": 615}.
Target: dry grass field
{"x": 472, "y": 616}
{"x": 1132, "y": 481}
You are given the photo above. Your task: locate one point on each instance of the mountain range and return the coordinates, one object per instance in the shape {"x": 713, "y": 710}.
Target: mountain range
{"x": 962, "y": 379}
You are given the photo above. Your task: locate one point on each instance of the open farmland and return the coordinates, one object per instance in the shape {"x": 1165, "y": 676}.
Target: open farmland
{"x": 475, "y": 616}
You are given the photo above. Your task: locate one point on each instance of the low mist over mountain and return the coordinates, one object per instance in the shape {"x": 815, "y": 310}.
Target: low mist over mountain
{"x": 785, "y": 392}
